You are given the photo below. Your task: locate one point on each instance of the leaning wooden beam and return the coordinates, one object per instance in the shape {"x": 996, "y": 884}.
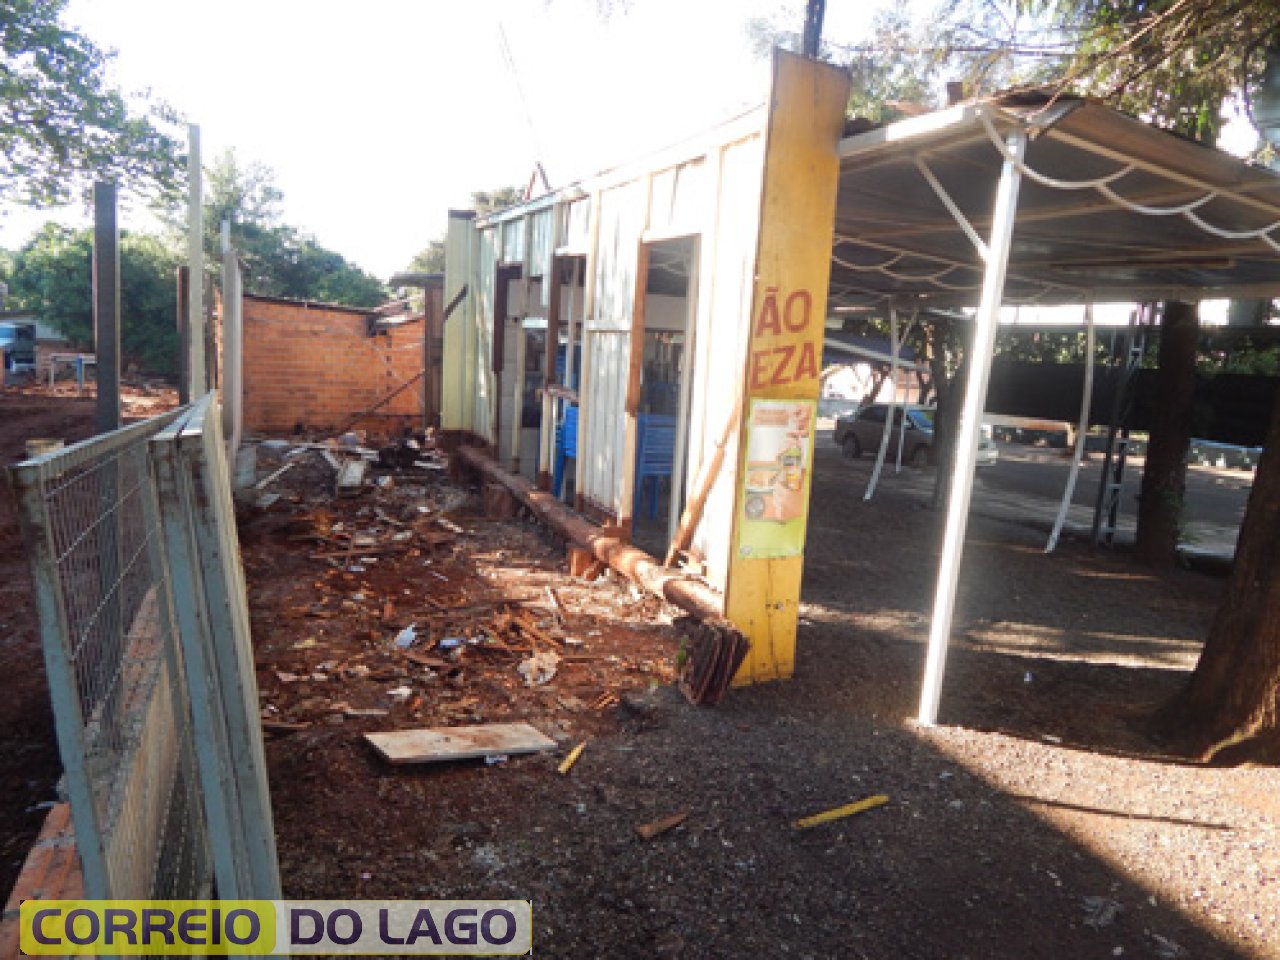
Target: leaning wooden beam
{"x": 383, "y": 402}
{"x": 677, "y": 588}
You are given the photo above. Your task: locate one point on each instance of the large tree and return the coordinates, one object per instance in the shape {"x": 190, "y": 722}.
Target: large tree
{"x": 1177, "y": 60}
{"x": 430, "y": 259}
{"x": 1175, "y": 63}
{"x": 62, "y": 124}
{"x": 52, "y": 276}
{"x": 278, "y": 259}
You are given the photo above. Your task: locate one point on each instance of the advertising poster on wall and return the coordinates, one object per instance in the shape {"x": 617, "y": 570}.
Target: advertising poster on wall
{"x": 776, "y": 479}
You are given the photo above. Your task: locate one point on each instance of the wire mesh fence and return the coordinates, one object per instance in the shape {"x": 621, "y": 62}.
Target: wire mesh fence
{"x": 143, "y": 622}
{"x": 194, "y": 484}
{"x": 92, "y": 523}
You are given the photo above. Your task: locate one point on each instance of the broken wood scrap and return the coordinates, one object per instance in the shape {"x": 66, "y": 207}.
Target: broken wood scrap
{"x": 355, "y": 551}
{"x": 459, "y": 743}
{"x": 648, "y": 831}
{"x": 270, "y": 479}
{"x": 847, "y": 810}
{"x": 522, "y": 622}
{"x": 350, "y": 480}
{"x": 567, "y": 763}
{"x": 712, "y": 653}
{"x": 282, "y": 726}
{"x": 556, "y": 605}
{"x": 422, "y": 660}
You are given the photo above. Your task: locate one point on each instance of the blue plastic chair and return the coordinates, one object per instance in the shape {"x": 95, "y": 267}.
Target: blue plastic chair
{"x": 566, "y": 446}
{"x": 655, "y": 456}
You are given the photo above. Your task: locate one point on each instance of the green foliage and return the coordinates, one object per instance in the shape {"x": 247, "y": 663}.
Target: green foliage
{"x": 485, "y": 202}
{"x": 53, "y": 276}
{"x": 278, "y": 260}
{"x": 61, "y": 124}
{"x": 986, "y": 45}
{"x": 1245, "y": 355}
{"x": 1173, "y": 62}
{"x": 430, "y": 259}
{"x": 149, "y": 303}
{"x": 1048, "y": 346}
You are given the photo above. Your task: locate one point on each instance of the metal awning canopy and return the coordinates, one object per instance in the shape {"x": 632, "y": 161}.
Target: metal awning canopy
{"x": 1110, "y": 209}
{"x": 1021, "y": 199}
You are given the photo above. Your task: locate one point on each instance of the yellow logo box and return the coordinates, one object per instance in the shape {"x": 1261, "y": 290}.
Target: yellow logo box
{"x": 276, "y": 927}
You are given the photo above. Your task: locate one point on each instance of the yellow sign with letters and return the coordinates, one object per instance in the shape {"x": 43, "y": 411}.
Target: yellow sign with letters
{"x": 784, "y": 359}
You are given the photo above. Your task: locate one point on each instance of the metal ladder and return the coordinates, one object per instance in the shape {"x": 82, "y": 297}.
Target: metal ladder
{"x": 1107, "y": 509}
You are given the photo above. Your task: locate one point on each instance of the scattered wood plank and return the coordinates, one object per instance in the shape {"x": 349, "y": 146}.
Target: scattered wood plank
{"x": 267, "y": 481}
{"x": 557, "y": 605}
{"x": 283, "y": 726}
{"x": 435, "y": 663}
{"x": 351, "y": 477}
{"x": 354, "y": 551}
{"x": 847, "y": 810}
{"x": 522, "y": 622}
{"x": 459, "y": 743}
{"x": 567, "y": 763}
{"x": 648, "y": 831}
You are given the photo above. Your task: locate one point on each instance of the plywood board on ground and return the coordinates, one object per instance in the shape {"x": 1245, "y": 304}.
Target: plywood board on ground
{"x": 459, "y": 743}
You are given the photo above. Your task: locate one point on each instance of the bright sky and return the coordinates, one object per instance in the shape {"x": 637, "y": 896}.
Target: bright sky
{"x": 378, "y": 116}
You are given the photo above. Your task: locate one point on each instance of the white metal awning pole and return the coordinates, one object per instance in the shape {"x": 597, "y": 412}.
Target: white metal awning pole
{"x": 984, "y": 335}
{"x": 887, "y": 431}
{"x": 1086, "y": 402}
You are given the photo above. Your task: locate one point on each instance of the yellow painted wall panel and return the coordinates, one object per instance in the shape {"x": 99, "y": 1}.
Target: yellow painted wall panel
{"x": 793, "y": 265}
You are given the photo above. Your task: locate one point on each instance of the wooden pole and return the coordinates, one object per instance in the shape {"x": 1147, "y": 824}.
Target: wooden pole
{"x": 383, "y": 402}
{"x": 692, "y": 596}
{"x": 106, "y": 306}
{"x": 692, "y": 515}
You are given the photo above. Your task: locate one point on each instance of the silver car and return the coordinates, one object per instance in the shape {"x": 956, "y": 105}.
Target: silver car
{"x": 860, "y": 431}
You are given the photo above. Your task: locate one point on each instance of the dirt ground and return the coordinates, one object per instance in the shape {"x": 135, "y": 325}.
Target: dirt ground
{"x": 1037, "y": 821}
{"x": 29, "y": 766}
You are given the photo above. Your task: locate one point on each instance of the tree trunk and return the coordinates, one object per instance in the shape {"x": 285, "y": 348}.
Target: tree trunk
{"x": 949, "y": 392}
{"x": 1231, "y": 698}
{"x": 1165, "y": 475}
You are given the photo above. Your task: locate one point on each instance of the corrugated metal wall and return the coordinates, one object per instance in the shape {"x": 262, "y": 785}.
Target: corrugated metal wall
{"x": 711, "y": 194}
{"x": 484, "y": 286}
{"x": 726, "y": 276}
{"x": 608, "y": 338}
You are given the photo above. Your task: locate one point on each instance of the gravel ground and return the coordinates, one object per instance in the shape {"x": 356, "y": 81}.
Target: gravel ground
{"x": 1036, "y": 821}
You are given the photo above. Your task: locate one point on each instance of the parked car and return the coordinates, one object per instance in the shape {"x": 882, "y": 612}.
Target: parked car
{"x": 836, "y": 407}
{"x": 18, "y": 341}
{"x": 860, "y": 432}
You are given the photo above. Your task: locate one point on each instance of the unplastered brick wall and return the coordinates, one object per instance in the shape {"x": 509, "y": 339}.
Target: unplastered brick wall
{"x": 314, "y": 367}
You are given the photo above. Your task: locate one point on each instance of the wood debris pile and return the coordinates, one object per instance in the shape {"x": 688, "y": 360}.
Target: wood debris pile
{"x": 402, "y": 606}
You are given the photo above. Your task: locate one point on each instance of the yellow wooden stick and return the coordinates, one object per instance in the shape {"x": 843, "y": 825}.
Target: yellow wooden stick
{"x": 846, "y": 811}
{"x": 567, "y": 764}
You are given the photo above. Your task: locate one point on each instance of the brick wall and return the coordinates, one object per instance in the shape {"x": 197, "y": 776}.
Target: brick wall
{"x": 314, "y": 367}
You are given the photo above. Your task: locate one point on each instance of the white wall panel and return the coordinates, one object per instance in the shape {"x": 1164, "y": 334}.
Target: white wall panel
{"x": 576, "y": 234}
{"x": 541, "y": 245}
{"x": 486, "y": 269}
{"x": 621, "y": 223}
{"x": 605, "y": 399}
{"x": 512, "y": 234}
{"x": 723, "y": 326}
{"x": 713, "y": 193}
